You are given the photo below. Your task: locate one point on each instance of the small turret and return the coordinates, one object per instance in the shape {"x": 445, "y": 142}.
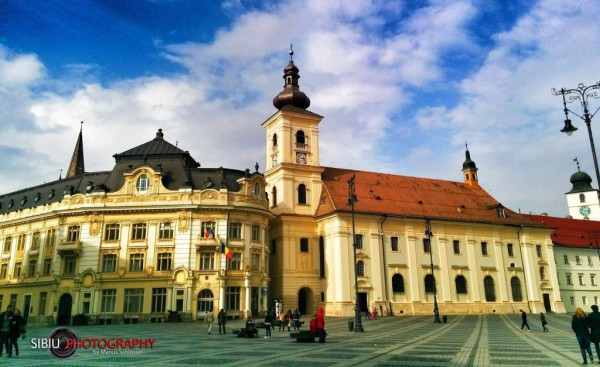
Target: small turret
{"x": 469, "y": 170}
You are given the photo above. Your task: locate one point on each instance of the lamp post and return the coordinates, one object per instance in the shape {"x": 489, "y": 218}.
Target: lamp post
{"x": 436, "y": 311}
{"x": 358, "y": 328}
{"x": 582, "y": 94}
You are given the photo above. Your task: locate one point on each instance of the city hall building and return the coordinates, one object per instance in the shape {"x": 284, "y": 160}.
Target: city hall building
{"x": 158, "y": 233}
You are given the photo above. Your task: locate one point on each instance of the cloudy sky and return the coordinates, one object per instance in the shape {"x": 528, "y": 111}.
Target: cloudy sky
{"x": 402, "y": 85}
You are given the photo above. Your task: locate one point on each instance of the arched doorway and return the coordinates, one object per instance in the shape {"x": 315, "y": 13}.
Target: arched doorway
{"x": 65, "y": 305}
{"x": 205, "y": 302}
{"x": 305, "y": 301}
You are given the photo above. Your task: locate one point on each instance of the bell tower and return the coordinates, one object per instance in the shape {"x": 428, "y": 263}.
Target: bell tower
{"x": 292, "y": 149}
{"x": 469, "y": 170}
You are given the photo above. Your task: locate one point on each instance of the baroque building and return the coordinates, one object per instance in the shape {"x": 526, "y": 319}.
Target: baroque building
{"x": 131, "y": 244}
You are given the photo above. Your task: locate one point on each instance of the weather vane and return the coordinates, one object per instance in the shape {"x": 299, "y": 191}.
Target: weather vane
{"x": 577, "y": 161}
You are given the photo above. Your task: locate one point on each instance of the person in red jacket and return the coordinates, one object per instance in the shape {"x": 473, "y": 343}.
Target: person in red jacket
{"x": 321, "y": 325}
{"x": 313, "y": 325}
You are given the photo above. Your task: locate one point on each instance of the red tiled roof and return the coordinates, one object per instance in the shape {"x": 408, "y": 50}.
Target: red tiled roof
{"x": 379, "y": 193}
{"x": 571, "y": 232}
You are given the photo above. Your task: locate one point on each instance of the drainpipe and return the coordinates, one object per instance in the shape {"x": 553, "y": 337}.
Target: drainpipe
{"x": 524, "y": 272}
{"x": 385, "y": 272}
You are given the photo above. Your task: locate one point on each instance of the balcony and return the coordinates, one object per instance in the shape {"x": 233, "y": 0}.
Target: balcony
{"x": 69, "y": 247}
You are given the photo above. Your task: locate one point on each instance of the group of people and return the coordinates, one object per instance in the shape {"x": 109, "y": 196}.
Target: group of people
{"x": 587, "y": 329}
{"x": 12, "y": 325}
{"x": 209, "y": 319}
{"x": 289, "y": 319}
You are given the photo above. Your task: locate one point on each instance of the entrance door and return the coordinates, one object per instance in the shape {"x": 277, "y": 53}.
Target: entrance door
{"x": 26, "y": 306}
{"x": 64, "y": 309}
{"x": 254, "y": 301}
{"x": 362, "y": 302}
{"x": 547, "y": 302}
{"x": 305, "y": 301}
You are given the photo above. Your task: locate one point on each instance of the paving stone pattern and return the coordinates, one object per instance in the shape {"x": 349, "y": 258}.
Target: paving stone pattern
{"x": 469, "y": 340}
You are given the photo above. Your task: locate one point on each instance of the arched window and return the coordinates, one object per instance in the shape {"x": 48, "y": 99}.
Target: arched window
{"x": 143, "y": 183}
{"x": 467, "y": 175}
{"x": 397, "y": 283}
{"x": 301, "y": 194}
{"x": 205, "y": 300}
{"x": 542, "y": 273}
{"x": 581, "y": 198}
{"x": 274, "y": 140}
{"x": 300, "y": 139}
{"x": 429, "y": 283}
{"x": 515, "y": 286}
{"x": 256, "y": 190}
{"x": 360, "y": 268}
{"x": 488, "y": 285}
{"x": 461, "y": 284}
{"x": 274, "y": 197}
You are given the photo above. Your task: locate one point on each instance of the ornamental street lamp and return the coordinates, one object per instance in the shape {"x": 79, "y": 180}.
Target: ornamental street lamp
{"x": 351, "y": 200}
{"x": 582, "y": 94}
{"x": 436, "y": 311}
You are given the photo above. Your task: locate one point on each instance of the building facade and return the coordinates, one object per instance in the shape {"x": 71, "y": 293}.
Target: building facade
{"x": 155, "y": 234}
{"x": 583, "y": 200}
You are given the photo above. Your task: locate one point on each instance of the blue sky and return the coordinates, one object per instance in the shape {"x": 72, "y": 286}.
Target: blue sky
{"x": 402, "y": 85}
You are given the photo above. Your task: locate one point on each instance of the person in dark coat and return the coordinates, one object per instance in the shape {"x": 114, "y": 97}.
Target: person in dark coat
{"x": 289, "y": 318}
{"x": 5, "y": 320}
{"x": 321, "y": 325}
{"x": 594, "y": 324}
{"x": 544, "y": 322}
{"x": 222, "y": 320}
{"x": 16, "y": 328}
{"x": 580, "y": 326}
{"x": 251, "y": 330}
{"x": 268, "y": 323}
{"x": 296, "y": 318}
{"x": 524, "y": 320}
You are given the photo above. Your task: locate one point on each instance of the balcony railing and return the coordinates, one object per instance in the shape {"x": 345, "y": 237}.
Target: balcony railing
{"x": 69, "y": 246}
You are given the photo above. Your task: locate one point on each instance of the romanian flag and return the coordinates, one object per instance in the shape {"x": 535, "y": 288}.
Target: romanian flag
{"x": 225, "y": 250}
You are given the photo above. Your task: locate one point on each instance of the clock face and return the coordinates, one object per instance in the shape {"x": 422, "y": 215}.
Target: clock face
{"x": 301, "y": 158}
{"x": 585, "y": 211}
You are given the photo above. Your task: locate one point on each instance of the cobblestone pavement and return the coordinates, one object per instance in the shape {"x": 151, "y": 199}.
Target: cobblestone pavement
{"x": 470, "y": 340}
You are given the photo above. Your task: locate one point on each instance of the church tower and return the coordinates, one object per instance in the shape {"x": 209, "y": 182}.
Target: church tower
{"x": 470, "y": 170}
{"x": 583, "y": 200}
{"x": 77, "y": 167}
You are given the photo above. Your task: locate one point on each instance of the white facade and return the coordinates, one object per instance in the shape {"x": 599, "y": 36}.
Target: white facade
{"x": 578, "y": 276}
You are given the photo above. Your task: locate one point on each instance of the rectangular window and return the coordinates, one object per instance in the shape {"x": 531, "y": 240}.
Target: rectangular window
{"x": 42, "y": 304}
{"x": 159, "y": 299}
{"x": 566, "y": 259}
{"x": 572, "y": 300}
{"x": 138, "y": 231}
{"x": 35, "y": 241}
{"x": 593, "y": 279}
{"x": 456, "y": 245}
{"x": 235, "y": 231}
{"x": 3, "y": 270}
{"x": 31, "y": 268}
{"x": 136, "y": 262}
{"x": 256, "y": 233}
{"x": 208, "y": 229}
{"x": 69, "y": 262}
{"x": 109, "y": 300}
{"x": 73, "y": 233}
{"x": 577, "y": 260}
{"x": 109, "y": 263}
{"x": 359, "y": 241}
{"x": 273, "y": 247}
{"x": 426, "y": 245}
{"x": 164, "y": 261}
{"x": 47, "y": 267}
{"x": 509, "y": 247}
{"x": 581, "y": 280}
{"x": 538, "y": 250}
{"x": 235, "y": 261}
{"x": 7, "y": 244}
{"x": 569, "y": 279}
{"x": 304, "y": 245}
{"x": 13, "y": 301}
{"x": 232, "y": 296}
{"x": 584, "y": 300}
{"x": 590, "y": 263}
{"x": 50, "y": 239}
{"x": 484, "y": 249}
{"x": 207, "y": 260}
{"x": 21, "y": 242}
{"x": 255, "y": 261}
{"x": 17, "y": 270}
{"x": 112, "y": 232}
{"x": 394, "y": 242}
{"x": 165, "y": 231}
{"x": 133, "y": 300}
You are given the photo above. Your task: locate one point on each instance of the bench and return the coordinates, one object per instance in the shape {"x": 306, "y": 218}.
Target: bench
{"x": 304, "y": 336}
{"x": 243, "y": 332}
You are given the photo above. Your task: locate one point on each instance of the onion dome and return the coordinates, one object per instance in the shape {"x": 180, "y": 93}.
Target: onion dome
{"x": 291, "y": 95}
{"x": 468, "y": 164}
{"x": 580, "y": 180}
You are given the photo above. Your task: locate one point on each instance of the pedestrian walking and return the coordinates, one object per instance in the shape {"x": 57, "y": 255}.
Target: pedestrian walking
{"x": 209, "y": 318}
{"x": 594, "y": 324}
{"x": 524, "y": 320}
{"x": 381, "y": 309}
{"x": 16, "y": 329}
{"x": 222, "y": 320}
{"x": 268, "y": 323}
{"x": 289, "y": 318}
{"x": 321, "y": 325}
{"x": 281, "y": 321}
{"x": 580, "y": 326}
{"x": 296, "y": 318}
{"x": 5, "y": 320}
{"x": 544, "y": 322}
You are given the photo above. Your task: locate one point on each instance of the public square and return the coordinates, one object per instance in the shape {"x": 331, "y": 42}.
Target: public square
{"x": 466, "y": 340}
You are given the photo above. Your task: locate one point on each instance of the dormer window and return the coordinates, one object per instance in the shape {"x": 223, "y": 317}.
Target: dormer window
{"x": 143, "y": 183}
{"x": 500, "y": 212}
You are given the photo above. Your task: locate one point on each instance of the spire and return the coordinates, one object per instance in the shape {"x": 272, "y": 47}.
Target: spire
{"x": 469, "y": 169}
{"x": 291, "y": 93}
{"x": 76, "y": 167}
